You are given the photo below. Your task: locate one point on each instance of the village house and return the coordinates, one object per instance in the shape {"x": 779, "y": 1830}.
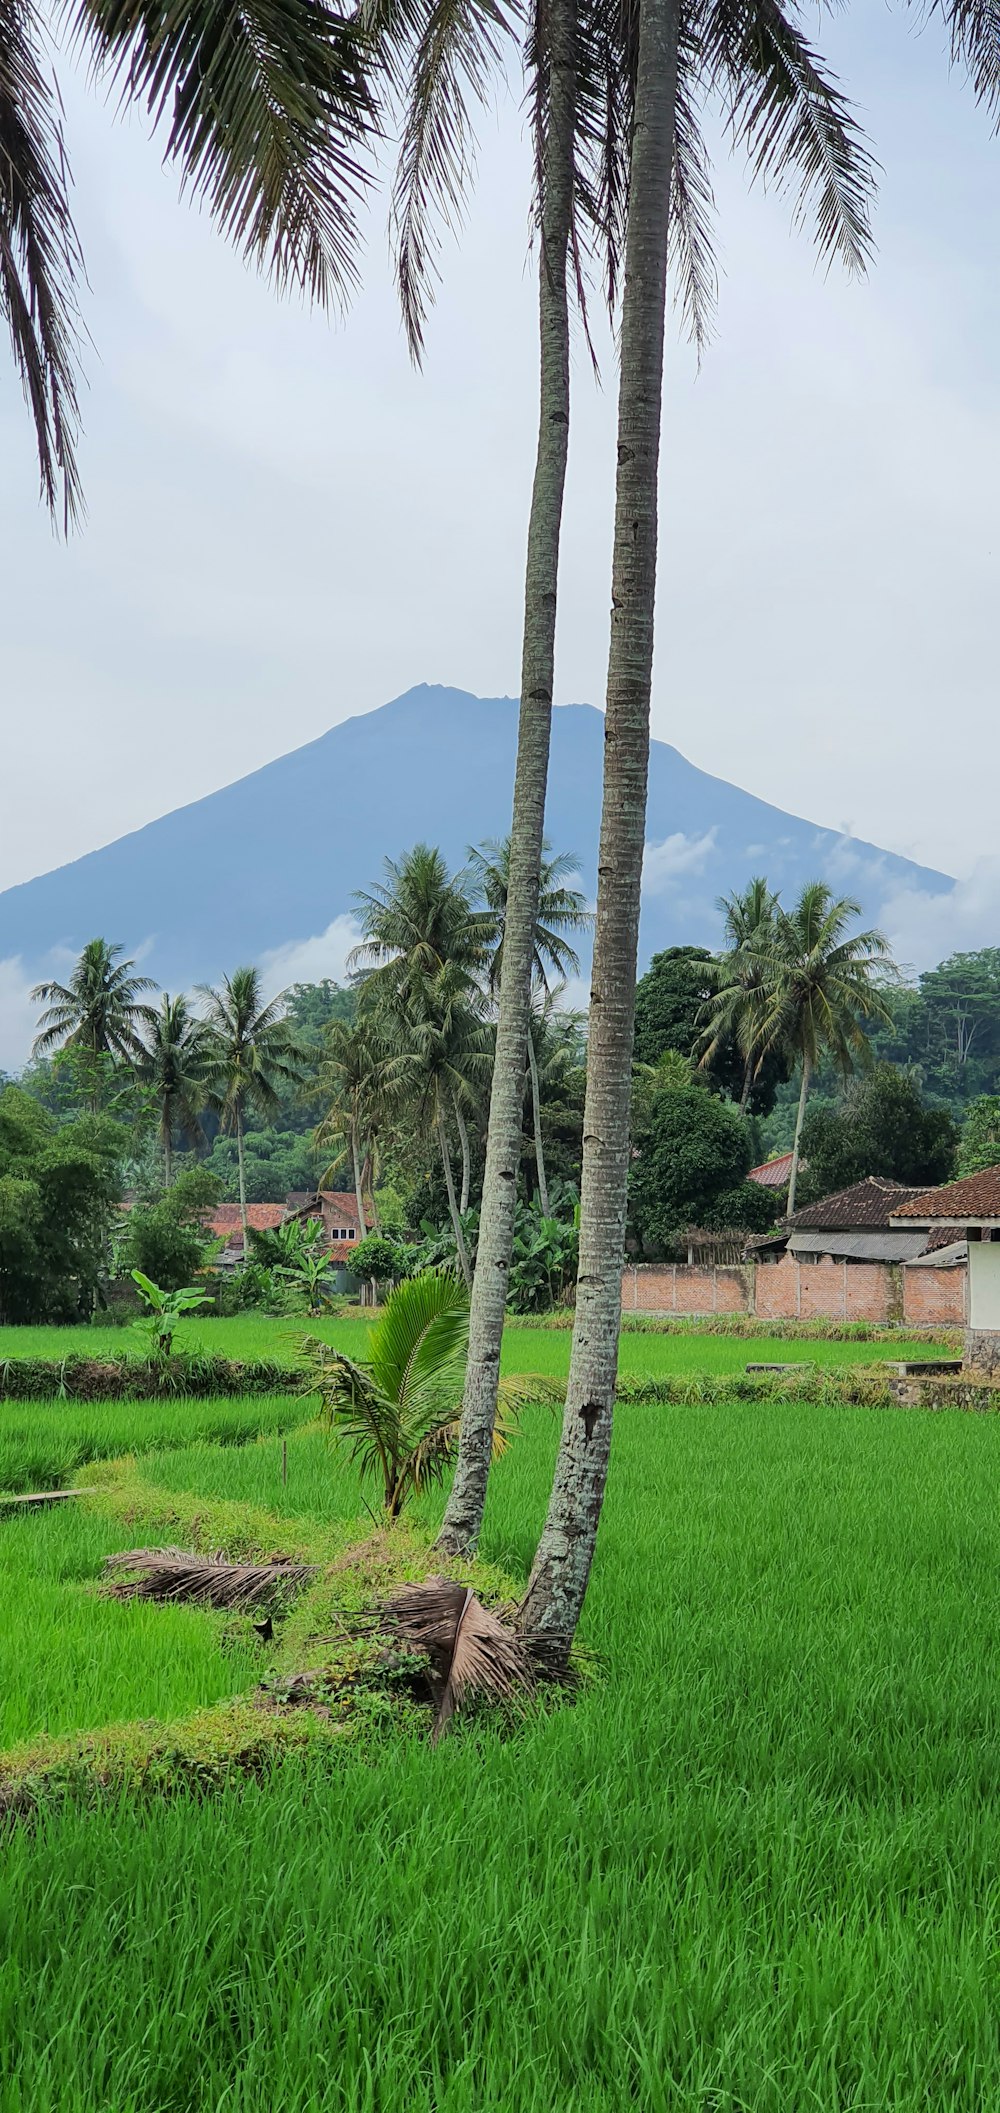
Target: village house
{"x": 336, "y": 1209}
{"x": 970, "y": 1210}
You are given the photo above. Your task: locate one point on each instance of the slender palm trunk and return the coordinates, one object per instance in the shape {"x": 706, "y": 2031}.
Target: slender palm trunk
{"x": 466, "y": 1157}
{"x": 748, "y": 1082}
{"x": 358, "y": 1183}
{"x": 536, "y": 1107}
{"x": 464, "y": 1511}
{"x": 449, "y": 1179}
{"x": 241, "y": 1163}
{"x": 561, "y": 1570}
{"x": 168, "y": 1153}
{"x": 793, "y": 1179}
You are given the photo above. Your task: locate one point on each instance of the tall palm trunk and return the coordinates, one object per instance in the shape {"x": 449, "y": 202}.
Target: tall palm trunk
{"x": 463, "y": 1133}
{"x": 168, "y": 1154}
{"x": 464, "y": 1511}
{"x": 536, "y": 1109}
{"x": 242, "y": 1165}
{"x": 793, "y": 1179}
{"x": 561, "y": 1570}
{"x": 358, "y": 1182}
{"x": 449, "y": 1180}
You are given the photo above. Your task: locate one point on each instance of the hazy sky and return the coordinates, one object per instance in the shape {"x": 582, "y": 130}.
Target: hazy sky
{"x": 288, "y": 525}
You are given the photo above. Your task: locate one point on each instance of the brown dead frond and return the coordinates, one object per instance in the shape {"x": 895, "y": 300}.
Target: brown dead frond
{"x": 175, "y": 1574}
{"x": 472, "y": 1652}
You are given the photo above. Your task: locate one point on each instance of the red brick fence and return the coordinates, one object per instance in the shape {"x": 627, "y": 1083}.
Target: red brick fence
{"x": 919, "y": 1294}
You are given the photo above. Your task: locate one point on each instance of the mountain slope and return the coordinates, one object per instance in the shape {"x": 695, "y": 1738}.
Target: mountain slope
{"x": 275, "y": 857}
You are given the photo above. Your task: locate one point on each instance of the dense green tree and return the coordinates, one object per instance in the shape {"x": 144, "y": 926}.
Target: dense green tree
{"x": 60, "y": 1188}
{"x": 269, "y": 114}
{"x": 881, "y": 1126}
{"x": 673, "y": 1002}
{"x": 692, "y": 1151}
{"x": 250, "y": 1049}
{"x": 979, "y": 1145}
{"x": 166, "y": 1239}
{"x": 100, "y": 1013}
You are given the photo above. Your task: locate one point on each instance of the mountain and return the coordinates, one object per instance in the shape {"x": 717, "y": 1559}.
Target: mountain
{"x": 273, "y": 860}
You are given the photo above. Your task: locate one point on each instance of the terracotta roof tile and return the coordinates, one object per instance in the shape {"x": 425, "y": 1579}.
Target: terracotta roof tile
{"x": 225, "y": 1218}
{"x": 867, "y": 1204}
{"x": 976, "y": 1196}
{"x": 773, "y": 1173}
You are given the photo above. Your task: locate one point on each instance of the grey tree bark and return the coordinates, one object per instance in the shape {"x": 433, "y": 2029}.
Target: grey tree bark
{"x": 536, "y": 1109}
{"x": 449, "y": 1180}
{"x": 463, "y": 1133}
{"x": 559, "y": 1578}
{"x": 358, "y": 1185}
{"x": 464, "y": 1511}
{"x": 168, "y": 1150}
{"x": 793, "y": 1179}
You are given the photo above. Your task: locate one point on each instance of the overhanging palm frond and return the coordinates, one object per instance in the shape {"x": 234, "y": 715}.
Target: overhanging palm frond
{"x": 974, "y": 29}
{"x": 445, "y": 54}
{"x": 270, "y": 119}
{"x": 792, "y": 116}
{"x": 40, "y": 260}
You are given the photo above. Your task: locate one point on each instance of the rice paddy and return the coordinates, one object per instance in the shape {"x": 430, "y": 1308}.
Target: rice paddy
{"x": 755, "y": 1867}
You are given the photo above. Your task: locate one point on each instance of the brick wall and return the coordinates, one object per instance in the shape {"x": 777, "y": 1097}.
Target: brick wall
{"x": 808, "y": 1291}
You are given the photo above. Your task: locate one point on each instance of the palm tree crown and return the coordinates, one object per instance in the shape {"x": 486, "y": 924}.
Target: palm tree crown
{"x": 561, "y": 909}
{"x": 100, "y": 1010}
{"x": 251, "y": 1050}
{"x": 172, "y": 1063}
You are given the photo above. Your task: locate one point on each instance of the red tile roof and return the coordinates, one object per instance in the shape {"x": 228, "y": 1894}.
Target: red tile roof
{"x": 774, "y": 1173}
{"x": 976, "y": 1198}
{"x": 225, "y": 1218}
{"x": 870, "y": 1204}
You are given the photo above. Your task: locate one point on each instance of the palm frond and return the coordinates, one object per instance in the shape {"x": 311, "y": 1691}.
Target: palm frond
{"x": 974, "y": 29}
{"x": 270, "y": 119}
{"x": 791, "y": 115}
{"x": 40, "y": 259}
{"x": 473, "y": 1653}
{"x": 357, "y": 1411}
{"x": 417, "y": 1349}
{"x": 210, "y": 1581}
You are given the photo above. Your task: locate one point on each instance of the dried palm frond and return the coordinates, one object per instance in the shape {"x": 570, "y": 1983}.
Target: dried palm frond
{"x": 471, "y": 1651}
{"x": 176, "y": 1574}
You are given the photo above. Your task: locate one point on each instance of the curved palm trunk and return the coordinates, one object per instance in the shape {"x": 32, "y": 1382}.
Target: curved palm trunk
{"x": 561, "y": 1570}
{"x": 793, "y": 1179}
{"x": 466, "y": 1156}
{"x": 449, "y": 1179}
{"x": 536, "y": 1107}
{"x": 464, "y": 1511}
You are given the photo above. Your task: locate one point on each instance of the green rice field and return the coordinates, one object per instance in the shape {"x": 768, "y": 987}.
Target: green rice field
{"x": 754, "y": 1868}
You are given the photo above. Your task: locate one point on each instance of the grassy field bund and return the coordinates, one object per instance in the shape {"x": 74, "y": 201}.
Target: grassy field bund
{"x": 755, "y": 1867}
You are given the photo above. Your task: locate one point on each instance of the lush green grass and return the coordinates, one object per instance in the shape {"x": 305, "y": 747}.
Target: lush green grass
{"x": 525, "y": 1349}
{"x": 71, "y": 1660}
{"x": 44, "y": 1443}
{"x": 756, "y": 1868}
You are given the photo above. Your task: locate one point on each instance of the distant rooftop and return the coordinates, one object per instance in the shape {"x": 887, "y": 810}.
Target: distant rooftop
{"x": 773, "y": 1173}
{"x": 975, "y": 1200}
{"x": 871, "y": 1204}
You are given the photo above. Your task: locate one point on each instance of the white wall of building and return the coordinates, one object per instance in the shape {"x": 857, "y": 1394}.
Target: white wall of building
{"x": 984, "y": 1285}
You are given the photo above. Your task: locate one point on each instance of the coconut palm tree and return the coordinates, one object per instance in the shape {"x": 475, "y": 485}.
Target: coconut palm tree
{"x": 171, "y": 1063}
{"x": 825, "y": 983}
{"x": 441, "y": 1053}
{"x": 560, "y": 909}
{"x": 416, "y": 922}
{"x": 101, "y": 1011}
{"x": 269, "y": 119}
{"x": 350, "y": 1078}
{"x": 782, "y": 109}
{"x": 784, "y": 130}
{"x": 250, "y": 1051}
{"x": 740, "y": 995}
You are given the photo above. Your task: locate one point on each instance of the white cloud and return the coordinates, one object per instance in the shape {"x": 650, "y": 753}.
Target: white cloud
{"x": 310, "y": 960}
{"x": 18, "y": 1013}
{"x": 664, "y": 863}
{"x": 923, "y": 929}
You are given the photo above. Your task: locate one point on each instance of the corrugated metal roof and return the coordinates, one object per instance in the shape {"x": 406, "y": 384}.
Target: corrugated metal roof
{"x": 859, "y": 1246}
